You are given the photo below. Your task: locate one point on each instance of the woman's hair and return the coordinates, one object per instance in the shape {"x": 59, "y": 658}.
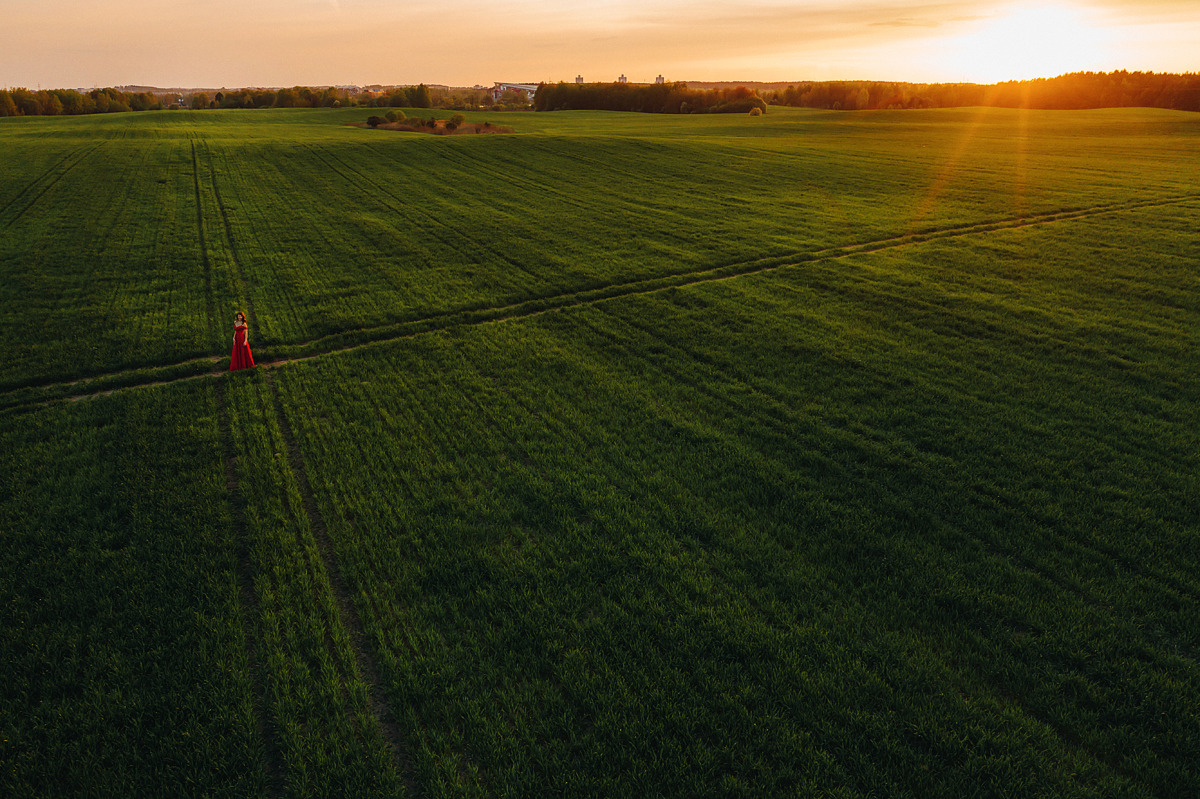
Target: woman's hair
{"x": 239, "y": 313}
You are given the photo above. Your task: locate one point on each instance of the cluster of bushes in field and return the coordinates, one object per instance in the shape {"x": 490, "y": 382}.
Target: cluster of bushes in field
{"x": 659, "y": 98}
{"x": 398, "y": 117}
{"x": 1071, "y": 91}
{"x": 398, "y": 120}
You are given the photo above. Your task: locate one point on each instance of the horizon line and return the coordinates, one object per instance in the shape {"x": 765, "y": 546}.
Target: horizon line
{"x": 361, "y": 86}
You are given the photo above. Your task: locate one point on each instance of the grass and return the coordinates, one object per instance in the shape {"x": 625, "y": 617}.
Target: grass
{"x": 164, "y": 224}
{"x": 678, "y": 536}
{"x": 318, "y": 700}
{"x": 124, "y": 656}
{"x": 810, "y": 454}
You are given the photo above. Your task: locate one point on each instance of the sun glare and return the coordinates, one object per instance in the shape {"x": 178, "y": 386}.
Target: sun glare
{"x": 1028, "y": 41}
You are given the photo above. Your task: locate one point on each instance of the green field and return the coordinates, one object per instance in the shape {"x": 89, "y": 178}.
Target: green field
{"x": 812, "y": 454}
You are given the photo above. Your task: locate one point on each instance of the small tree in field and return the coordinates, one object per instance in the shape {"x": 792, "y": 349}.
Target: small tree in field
{"x": 375, "y": 121}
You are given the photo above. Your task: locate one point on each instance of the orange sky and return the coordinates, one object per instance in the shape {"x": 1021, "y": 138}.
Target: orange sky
{"x": 235, "y": 43}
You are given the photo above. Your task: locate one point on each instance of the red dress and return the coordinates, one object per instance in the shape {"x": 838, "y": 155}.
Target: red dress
{"x": 241, "y": 359}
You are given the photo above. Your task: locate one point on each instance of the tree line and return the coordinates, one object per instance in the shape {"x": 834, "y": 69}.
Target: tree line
{"x": 1071, "y": 91}
{"x": 53, "y": 102}
{"x": 56, "y": 102}
{"x": 658, "y": 98}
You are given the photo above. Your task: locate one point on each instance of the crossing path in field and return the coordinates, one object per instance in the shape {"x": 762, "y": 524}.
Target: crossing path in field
{"x": 350, "y": 340}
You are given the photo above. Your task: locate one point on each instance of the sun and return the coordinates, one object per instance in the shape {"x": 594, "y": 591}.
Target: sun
{"x": 1028, "y": 41}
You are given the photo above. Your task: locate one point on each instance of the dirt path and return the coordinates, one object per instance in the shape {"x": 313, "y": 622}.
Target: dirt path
{"x": 352, "y": 340}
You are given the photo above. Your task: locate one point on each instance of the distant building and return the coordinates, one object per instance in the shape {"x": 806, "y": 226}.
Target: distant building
{"x": 530, "y": 89}
{"x": 579, "y": 79}
{"x": 622, "y": 79}
{"x": 660, "y": 79}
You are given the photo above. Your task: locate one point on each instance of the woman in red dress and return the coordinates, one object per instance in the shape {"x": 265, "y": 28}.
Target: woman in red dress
{"x": 241, "y": 359}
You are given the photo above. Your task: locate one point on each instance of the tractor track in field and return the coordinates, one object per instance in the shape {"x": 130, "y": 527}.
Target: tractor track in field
{"x": 103, "y": 384}
{"x": 360, "y": 645}
{"x": 251, "y": 608}
{"x": 210, "y": 313}
{"x": 51, "y": 180}
{"x": 29, "y": 186}
{"x": 239, "y": 272}
{"x": 276, "y": 773}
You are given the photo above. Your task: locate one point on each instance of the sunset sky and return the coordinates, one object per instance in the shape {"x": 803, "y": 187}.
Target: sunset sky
{"x": 236, "y": 43}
